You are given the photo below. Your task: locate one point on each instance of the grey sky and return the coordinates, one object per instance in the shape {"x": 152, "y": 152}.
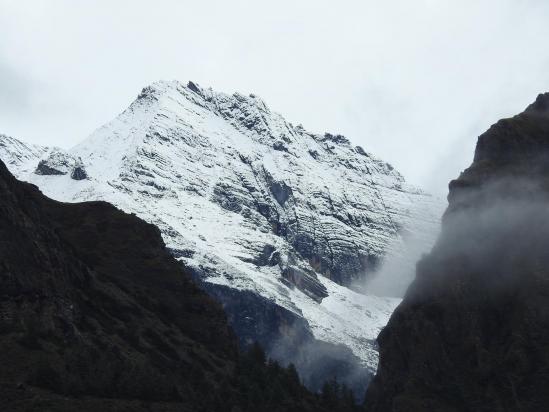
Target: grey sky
{"x": 413, "y": 82}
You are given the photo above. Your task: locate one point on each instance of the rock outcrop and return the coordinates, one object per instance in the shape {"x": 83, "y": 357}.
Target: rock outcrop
{"x": 59, "y": 162}
{"x": 472, "y": 333}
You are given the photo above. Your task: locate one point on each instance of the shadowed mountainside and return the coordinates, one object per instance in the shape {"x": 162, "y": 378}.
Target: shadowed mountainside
{"x": 95, "y": 314}
{"x": 472, "y": 333}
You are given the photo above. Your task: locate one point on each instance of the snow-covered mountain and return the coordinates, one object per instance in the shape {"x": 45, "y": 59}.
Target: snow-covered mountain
{"x": 264, "y": 212}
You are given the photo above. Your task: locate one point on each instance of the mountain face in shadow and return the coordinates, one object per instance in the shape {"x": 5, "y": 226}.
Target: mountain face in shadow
{"x": 472, "y": 333}
{"x": 95, "y": 314}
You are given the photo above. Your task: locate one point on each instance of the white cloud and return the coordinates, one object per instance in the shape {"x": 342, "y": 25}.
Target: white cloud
{"x": 413, "y": 82}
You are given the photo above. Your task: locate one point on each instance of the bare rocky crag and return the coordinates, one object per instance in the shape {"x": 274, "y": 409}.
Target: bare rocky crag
{"x": 472, "y": 333}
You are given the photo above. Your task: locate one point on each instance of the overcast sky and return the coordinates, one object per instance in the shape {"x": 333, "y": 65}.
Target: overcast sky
{"x": 412, "y": 81}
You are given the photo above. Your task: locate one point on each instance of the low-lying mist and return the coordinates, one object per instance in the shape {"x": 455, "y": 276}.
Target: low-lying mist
{"x": 494, "y": 234}
{"x": 398, "y": 267}
{"x": 490, "y": 228}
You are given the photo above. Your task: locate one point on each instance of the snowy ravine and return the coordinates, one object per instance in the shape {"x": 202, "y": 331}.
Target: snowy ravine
{"x": 250, "y": 203}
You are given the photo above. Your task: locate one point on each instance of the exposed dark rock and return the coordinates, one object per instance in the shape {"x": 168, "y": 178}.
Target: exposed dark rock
{"x": 339, "y": 139}
{"x": 361, "y": 151}
{"x": 306, "y": 281}
{"x": 147, "y": 93}
{"x": 79, "y": 173}
{"x": 194, "y": 87}
{"x": 281, "y": 192}
{"x": 336, "y": 264}
{"x": 472, "y": 333}
{"x": 268, "y": 257}
{"x": 179, "y": 253}
{"x": 226, "y": 198}
{"x": 44, "y": 168}
{"x": 61, "y": 163}
{"x": 280, "y": 146}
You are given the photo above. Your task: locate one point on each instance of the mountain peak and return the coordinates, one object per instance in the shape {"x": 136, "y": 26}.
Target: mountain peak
{"x": 540, "y": 106}
{"x": 517, "y": 141}
{"x": 263, "y": 212}
{"x": 249, "y": 114}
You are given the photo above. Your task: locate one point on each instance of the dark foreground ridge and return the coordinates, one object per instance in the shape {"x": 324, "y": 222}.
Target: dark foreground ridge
{"x": 95, "y": 315}
{"x": 472, "y": 333}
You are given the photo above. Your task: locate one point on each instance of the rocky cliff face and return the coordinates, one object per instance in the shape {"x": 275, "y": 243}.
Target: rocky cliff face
{"x": 472, "y": 333}
{"x": 252, "y": 205}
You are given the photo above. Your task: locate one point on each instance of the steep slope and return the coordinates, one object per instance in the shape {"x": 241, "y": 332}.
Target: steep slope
{"x": 92, "y": 304}
{"x": 96, "y": 315}
{"x": 268, "y": 215}
{"x": 472, "y": 333}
